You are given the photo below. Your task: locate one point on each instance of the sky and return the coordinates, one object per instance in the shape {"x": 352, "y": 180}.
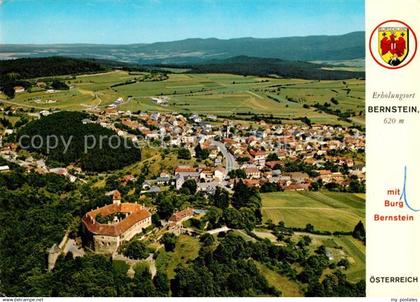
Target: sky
{"x": 147, "y": 21}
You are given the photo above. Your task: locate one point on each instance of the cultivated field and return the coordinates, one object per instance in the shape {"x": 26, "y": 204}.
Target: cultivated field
{"x": 221, "y": 94}
{"x": 326, "y": 211}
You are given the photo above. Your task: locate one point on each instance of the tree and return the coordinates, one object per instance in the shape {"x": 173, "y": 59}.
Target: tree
{"x": 190, "y": 185}
{"x": 156, "y": 220}
{"x": 184, "y": 153}
{"x": 238, "y": 173}
{"x": 309, "y": 228}
{"x": 169, "y": 241}
{"x": 221, "y": 198}
{"x": 161, "y": 283}
{"x": 213, "y": 216}
{"x": 321, "y": 250}
{"x": 59, "y": 85}
{"x": 165, "y": 208}
{"x": 356, "y": 186}
{"x": 269, "y": 187}
{"x": 144, "y": 286}
{"x": 136, "y": 250}
{"x": 344, "y": 263}
{"x": 232, "y": 218}
{"x": 207, "y": 239}
{"x": 195, "y": 281}
{"x": 248, "y": 218}
{"x": 245, "y": 196}
{"x": 272, "y": 157}
{"x": 359, "y": 231}
{"x": 200, "y": 153}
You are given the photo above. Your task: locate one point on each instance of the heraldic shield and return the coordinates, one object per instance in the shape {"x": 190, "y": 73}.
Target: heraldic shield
{"x": 393, "y": 44}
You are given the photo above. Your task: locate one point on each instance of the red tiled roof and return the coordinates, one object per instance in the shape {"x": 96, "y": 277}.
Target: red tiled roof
{"x": 252, "y": 182}
{"x": 184, "y": 169}
{"x": 178, "y": 216}
{"x": 136, "y": 214}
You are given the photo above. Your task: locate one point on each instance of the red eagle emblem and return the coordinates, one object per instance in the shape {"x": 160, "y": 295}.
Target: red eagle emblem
{"x": 393, "y": 45}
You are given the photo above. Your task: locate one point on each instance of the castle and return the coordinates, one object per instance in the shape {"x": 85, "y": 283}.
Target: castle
{"x": 124, "y": 221}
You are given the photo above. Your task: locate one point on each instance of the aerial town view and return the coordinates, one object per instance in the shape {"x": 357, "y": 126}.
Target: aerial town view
{"x": 183, "y": 163}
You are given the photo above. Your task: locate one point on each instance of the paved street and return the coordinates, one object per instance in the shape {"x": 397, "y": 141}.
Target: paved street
{"x": 231, "y": 163}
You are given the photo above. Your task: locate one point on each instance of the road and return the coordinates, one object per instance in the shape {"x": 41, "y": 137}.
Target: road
{"x": 217, "y": 231}
{"x": 231, "y": 163}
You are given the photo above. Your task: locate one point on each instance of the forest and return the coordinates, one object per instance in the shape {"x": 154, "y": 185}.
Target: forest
{"x": 15, "y": 72}
{"x": 96, "y": 148}
{"x": 244, "y": 65}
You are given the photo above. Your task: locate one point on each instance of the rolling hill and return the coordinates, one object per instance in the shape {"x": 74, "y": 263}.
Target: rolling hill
{"x": 310, "y": 48}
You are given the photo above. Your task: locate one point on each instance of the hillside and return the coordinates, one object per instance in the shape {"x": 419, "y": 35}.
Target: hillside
{"x": 244, "y": 65}
{"x": 15, "y": 72}
{"x": 76, "y": 144}
{"x": 310, "y": 48}
{"x": 51, "y": 66}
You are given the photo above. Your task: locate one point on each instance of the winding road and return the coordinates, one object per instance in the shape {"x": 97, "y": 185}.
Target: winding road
{"x": 231, "y": 163}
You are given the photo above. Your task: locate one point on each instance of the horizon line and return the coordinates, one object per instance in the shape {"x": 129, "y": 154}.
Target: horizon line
{"x": 170, "y": 41}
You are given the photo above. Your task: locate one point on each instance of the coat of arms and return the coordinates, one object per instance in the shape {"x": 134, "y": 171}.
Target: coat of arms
{"x": 393, "y": 44}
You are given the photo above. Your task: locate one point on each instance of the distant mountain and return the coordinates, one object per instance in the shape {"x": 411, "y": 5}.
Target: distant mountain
{"x": 311, "y": 48}
{"x": 245, "y": 65}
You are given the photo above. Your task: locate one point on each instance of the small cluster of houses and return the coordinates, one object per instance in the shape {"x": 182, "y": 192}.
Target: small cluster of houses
{"x": 10, "y": 153}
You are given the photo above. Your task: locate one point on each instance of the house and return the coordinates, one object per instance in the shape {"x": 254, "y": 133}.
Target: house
{"x": 163, "y": 100}
{"x": 127, "y": 178}
{"x": 163, "y": 180}
{"x": 19, "y": 89}
{"x": 181, "y": 216}
{"x": 252, "y": 172}
{"x": 298, "y": 177}
{"x": 252, "y": 182}
{"x": 59, "y": 171}
{"x": 207, "y": 187}
{"x": 4, "y": 168}
{"x": 273, "y": 164}
{"x": 206, "y": 174}
{"x": 297, "y": 187}
{"x": 40, "y": 84}
{"x": 325, "y": 176}
{"x": 219, "y": 173}
{"x": 154, "y": 189}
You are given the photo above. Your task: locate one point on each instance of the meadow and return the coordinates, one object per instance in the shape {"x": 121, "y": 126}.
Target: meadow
{"x": 220, "y": 94}
{"x": 186, "y": 249}
{"x": 326, "y": 211}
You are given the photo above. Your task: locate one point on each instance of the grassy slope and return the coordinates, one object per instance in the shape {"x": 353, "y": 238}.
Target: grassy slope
{"x": 281, "y": 283}
{"x": 186, "y": 249}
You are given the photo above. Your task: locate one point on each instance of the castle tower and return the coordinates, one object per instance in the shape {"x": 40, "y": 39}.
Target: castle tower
{"x": 116, "y": 198}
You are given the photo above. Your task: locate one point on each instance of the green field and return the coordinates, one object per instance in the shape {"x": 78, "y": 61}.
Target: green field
{"x": 186, "y": 249}
{"x": 206, "y": 93}
{"x": 287, "y": 287}
{"x": 326, "y": 211}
